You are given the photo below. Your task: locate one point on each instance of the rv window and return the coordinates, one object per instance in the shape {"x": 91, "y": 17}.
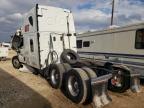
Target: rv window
{"x": 31, "y": 20}
{"x": 86, "y": 44}
{"x": 31, "y": 46}
{"x": 139, "y": 43}
{"x": 79, "y": 43}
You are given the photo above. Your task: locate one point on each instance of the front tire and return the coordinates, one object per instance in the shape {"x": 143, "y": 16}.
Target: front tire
{"x": 16, "y": 63}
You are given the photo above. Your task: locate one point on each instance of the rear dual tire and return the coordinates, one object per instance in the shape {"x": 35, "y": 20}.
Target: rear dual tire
{"x": 78, "y": 84}
{"x": 56, "y": 74}
{"x": 75, "y": 83}
{"x": 91, "y": 74}
{"x": 120, "y": 82}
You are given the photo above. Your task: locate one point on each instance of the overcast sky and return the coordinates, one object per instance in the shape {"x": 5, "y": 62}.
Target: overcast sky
{"x": 88, "y": 14}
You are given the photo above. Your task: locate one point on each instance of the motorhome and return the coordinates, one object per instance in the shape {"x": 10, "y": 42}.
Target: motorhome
{"x": 122, "y": 45}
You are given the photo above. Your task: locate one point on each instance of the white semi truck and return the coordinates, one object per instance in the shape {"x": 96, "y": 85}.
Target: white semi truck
{"x": 47, "y": 43}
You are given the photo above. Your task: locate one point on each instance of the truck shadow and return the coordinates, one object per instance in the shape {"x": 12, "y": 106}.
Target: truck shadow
{"x": 142, "y": 82}
{"x": 5, "y": 59}
{"x": 16, "y": 94}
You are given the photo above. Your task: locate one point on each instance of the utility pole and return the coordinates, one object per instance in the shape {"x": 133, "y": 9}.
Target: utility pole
{"x": 112, "y": 16}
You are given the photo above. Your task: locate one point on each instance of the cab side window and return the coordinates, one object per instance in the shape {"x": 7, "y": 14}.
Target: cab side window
{"x": 31, "y": 20}
{"x": 139, "y": 42}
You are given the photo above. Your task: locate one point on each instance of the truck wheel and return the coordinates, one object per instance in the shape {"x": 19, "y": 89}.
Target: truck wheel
{"x": 56, "y": 75}
{"x": 69, "y": 56}
{"x": 120, "y": 81}
{"x": 15, "y": 62}
{"x": 91, "y": 74}
{"x": 76, "y": 85}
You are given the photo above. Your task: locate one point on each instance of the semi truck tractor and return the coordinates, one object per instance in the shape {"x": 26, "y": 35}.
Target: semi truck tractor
{"x": 46, "y": 42}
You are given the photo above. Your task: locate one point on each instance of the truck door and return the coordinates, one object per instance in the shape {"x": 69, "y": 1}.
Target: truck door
{"x": 31, "y": 48}
{"x": 31, "y": 51}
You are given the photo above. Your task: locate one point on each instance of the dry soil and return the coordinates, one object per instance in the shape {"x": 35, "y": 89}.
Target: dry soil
{"x": 25, "y": 90}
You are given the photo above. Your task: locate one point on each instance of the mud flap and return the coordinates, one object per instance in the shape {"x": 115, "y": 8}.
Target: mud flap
{"x": 100, "y": 92}
{"x": 135, "y": 83}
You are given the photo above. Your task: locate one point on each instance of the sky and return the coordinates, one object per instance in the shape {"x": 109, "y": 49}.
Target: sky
{"x": 88, "y": 14}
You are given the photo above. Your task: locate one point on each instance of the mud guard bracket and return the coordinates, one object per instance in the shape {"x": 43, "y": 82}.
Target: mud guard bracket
{"x": 135, "y": 82}
{"x": 99, "y": 90}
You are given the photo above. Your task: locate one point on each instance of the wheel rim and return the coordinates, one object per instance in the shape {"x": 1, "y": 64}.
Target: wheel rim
{"x": 73, "y": 86}
{"x": 54, "y": 76}
{"x": 16, "y": 63}
{"x": 117, "y": 79}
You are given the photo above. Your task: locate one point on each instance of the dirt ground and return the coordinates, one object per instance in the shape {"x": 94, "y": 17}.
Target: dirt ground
{"x": 25, "y": 90}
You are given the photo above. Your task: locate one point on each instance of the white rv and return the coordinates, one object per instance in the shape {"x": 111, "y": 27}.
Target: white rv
{"x": 47, "y": 43}
{"x": 123, "y": 45}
